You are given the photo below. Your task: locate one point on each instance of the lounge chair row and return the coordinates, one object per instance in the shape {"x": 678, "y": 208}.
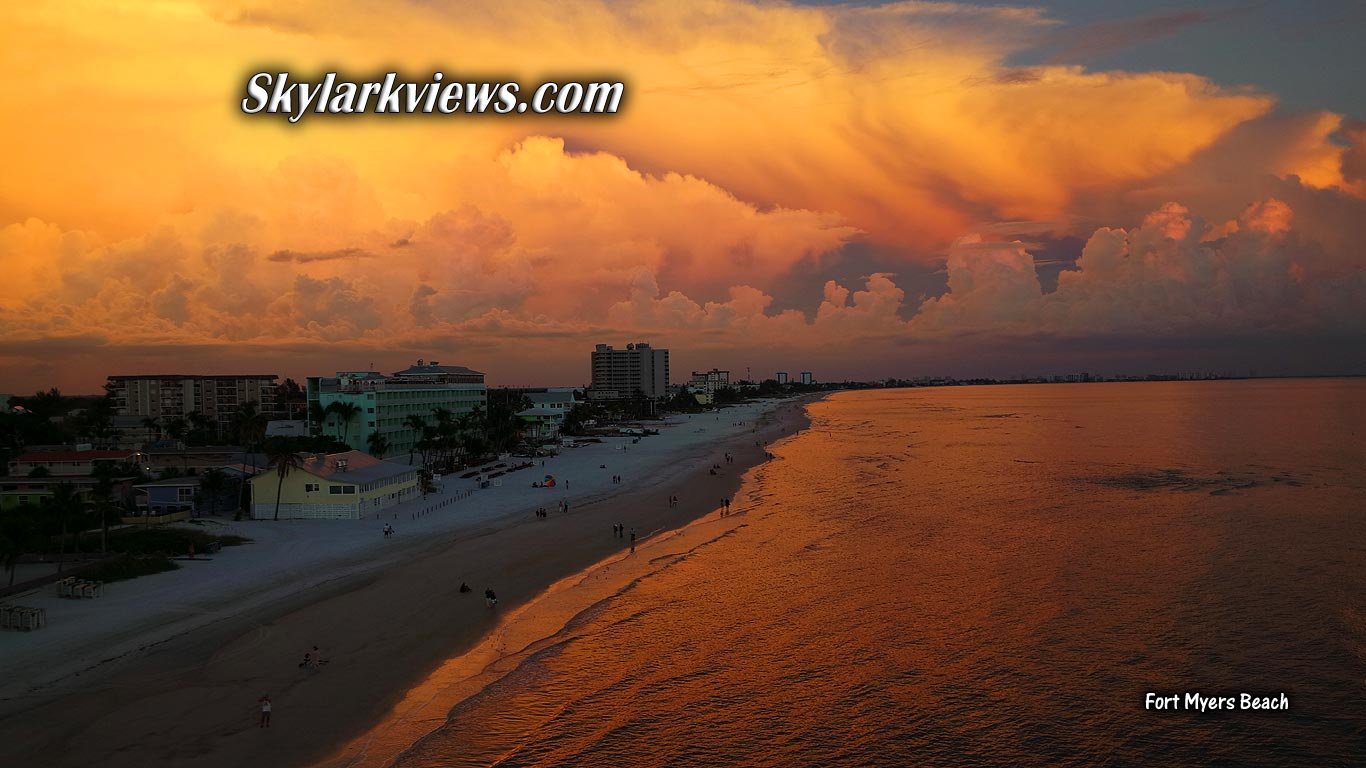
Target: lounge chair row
{"x": 78, "y": 588}
{"x": 19, "y": 617}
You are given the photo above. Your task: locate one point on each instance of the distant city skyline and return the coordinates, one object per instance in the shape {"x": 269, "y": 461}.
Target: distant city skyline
{"x": 859, "y": 190}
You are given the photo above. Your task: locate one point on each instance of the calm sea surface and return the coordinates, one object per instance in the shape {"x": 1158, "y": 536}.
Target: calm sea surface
{"x": 982, "y": 576}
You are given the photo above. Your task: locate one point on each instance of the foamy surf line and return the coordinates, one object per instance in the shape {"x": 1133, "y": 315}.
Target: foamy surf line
{"x": 550, "y": 619}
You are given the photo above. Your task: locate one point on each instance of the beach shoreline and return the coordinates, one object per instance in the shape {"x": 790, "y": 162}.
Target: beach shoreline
{"x": 384, "y": 627}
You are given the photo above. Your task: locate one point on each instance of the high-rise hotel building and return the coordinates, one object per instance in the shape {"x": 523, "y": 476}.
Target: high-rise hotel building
{"x": 618, "y": 374}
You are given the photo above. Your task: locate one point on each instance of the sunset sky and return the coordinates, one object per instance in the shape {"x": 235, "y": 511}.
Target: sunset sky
{"x": 857, "y": 190}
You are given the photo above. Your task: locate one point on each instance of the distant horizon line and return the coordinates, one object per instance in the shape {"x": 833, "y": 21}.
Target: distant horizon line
{"x": 919, "y": 381}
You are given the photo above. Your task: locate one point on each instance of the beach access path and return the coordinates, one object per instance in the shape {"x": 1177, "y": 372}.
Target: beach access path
{"x": 168, "y": 667}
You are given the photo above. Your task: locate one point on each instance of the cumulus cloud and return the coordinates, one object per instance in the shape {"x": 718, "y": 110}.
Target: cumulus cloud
{"x": 1173, "y": 274}
{"x": 763, "y": 143}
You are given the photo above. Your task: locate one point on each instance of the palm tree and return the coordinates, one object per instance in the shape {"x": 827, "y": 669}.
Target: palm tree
{"x": 245, "y": 423}
{"x": 200, "y": 428}
{"x": 446, "y": 434}
{"x": 378, "y": 444}
{"x": 418, "y": 425}
{"x": 285, "y": 462}
{"x": 65, "y": 501}
{"x": 104, "y": 488}
{"x": 346, "y": 412}
{"x": 154, "y": 425}
{"x": 290, "y": 398}
{"x": 177, "y": 430}
{"x": 213, "y": 483}
{"x": 18, "y": 523}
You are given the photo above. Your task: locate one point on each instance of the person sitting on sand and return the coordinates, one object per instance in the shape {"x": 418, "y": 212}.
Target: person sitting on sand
{"x": 464, "y": 588}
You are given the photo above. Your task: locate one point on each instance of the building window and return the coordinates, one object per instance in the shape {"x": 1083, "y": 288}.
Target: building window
{"x": 349, "y": 489}
{"x": 184, "y": 494}
{"x": 310, "y": 487}
{"x": 334, "y": 489}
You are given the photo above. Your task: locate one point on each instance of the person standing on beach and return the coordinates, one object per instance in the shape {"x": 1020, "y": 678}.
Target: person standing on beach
{"x": 633, "y": 540}
{"x": 265, "y": 711}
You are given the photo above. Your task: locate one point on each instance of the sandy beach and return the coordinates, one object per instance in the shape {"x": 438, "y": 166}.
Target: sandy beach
{"x": 168, "y": 669}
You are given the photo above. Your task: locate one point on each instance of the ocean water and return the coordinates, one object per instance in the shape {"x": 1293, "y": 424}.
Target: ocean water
{"x": 980, "y": 576}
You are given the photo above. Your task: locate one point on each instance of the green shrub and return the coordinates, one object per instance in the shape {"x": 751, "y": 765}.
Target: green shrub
{"x": 125, "y": 567}
{"x": 166, "y": 540}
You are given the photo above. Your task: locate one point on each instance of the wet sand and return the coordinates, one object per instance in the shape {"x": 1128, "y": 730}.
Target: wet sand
{"x": 193, "y": 698}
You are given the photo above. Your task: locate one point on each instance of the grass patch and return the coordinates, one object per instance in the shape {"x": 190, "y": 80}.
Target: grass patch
{"x": 126, "y": 567}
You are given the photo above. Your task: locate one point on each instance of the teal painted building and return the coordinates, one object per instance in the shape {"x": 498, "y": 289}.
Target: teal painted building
{"x": 383, "y": 403}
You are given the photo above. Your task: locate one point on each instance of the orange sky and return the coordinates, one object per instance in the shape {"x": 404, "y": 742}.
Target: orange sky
{"x": 147, "y": 225}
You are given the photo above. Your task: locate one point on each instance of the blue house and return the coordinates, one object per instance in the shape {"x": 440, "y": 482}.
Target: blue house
{"x": 165, "y": 497}
{"x": 183, "y": 494}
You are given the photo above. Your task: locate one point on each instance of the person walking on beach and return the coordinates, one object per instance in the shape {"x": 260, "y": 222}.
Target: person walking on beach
{"x": 633, "y": 540}
{"x": 265, "y": 710}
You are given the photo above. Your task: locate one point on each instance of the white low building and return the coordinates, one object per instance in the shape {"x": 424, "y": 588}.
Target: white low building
{"x": 547, "y": 413}
{"x": 347, "y": 486}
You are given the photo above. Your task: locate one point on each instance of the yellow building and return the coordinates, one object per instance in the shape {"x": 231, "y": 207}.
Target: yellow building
{"x": 338, "y": 486}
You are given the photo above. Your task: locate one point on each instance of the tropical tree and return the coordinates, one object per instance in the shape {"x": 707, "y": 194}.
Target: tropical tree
{"x": 201, "y": 429}
{"x": 378, "y": 444}
{"x": 419, "y": 427}
{"x": 291, "y": 399}
{"x": 104, "y": 488}
{"x": 97, "y": 419}
{"x": 66, "y": 503}
{"x": 284, "y": 464}
{"x": 576, "y": 421}
{"x": 247, "y": 425}
{"x": 16, "y": 529}
{"x": 177, "y": 428}
{"x": 212, "y": 485}
{"x": 447, "y": 436}
{"x": 503, "y": 427}
{"x": 346, "y": 411}
{"x": 154, "y": 425}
